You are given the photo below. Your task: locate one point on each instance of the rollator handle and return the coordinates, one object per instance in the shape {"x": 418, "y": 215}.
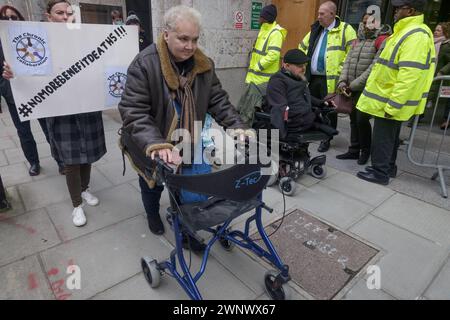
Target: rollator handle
{"x": 161, "y": 163}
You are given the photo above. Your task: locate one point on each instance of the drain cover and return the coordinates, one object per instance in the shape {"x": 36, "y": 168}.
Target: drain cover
{"x": 321, "y": 259}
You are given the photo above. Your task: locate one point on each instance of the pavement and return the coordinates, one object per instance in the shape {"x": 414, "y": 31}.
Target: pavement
{"x": 407, "y": 221}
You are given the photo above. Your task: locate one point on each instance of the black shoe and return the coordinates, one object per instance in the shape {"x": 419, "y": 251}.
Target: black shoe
{"x": 374, "y": 177}
{"x": 4, "y": 205}
{"x": 348, "y": 156}
{"x": 190, "y": 243}
{"x": 155, "y": 224}
{"x": 35, "y": 170}
{"x": 324, "y": 146}
{"x": 392, "y": 173}
{"x": 363, "y": 158}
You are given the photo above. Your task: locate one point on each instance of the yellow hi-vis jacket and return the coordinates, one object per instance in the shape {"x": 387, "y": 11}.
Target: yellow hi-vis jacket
{"x": 265, "y": 60}
{"x": 400, "y": 80}
{"x": 339, "y": 43}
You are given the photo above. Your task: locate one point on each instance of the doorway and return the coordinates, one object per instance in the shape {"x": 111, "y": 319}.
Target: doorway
{"x": 143, "y": 11}
{"x": 296, "y": 16}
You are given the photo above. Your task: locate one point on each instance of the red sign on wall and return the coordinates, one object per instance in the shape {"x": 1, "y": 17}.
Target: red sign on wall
{"x": 238, "y": 20}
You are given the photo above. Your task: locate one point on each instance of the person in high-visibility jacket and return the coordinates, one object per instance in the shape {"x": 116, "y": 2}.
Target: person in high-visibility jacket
{"x": 327, "y": 44}
{"x": 398, "y": 86}
{"x": 266, "y": 55}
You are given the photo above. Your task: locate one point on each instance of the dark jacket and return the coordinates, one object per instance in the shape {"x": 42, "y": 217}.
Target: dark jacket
{"x": 443, "y": 67}
{"x": 144, "y": 42}
{"x": 285, "y": 90}
{"x": 147, "y": 103}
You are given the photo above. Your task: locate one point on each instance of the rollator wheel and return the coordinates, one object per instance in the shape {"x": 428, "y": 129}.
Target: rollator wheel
{"x": 287, "y": 186}
{"x": 318, "y": 171}
{"x": 151, "y": 272}
{"x": 226, "y": 244}
{"x": 274, "y": 290}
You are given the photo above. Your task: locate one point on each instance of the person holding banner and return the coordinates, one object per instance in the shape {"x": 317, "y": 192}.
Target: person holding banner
{"x": 77, "y": 139}
{"x": 26, "y": 138}
{"x": 172, "y": 84}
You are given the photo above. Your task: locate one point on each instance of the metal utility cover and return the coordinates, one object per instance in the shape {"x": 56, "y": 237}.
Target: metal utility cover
{"x": 322, "y": 259}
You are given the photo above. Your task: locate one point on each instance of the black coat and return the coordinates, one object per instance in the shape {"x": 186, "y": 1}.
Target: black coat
{"x": 285, "y": 90}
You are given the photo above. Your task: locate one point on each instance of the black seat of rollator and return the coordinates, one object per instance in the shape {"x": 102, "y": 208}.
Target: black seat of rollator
{"x": 233, "y": 192}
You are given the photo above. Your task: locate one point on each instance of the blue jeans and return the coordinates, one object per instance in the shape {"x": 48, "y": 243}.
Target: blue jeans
{"x": 150, "y": 197}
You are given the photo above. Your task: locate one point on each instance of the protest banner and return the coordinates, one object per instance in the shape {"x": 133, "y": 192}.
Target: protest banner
{"x": 59, "y": 70}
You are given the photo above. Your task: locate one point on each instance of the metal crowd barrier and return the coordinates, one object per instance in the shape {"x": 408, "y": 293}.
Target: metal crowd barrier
{"x": 444, "y": 92}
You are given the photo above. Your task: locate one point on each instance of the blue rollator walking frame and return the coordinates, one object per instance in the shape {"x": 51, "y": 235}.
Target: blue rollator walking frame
{"x": 240, "y": 191}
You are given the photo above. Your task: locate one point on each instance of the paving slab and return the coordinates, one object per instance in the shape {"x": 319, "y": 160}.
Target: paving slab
{"x": 360, "y": 291}
{"x": 332, "y": 206}
{"x": 15, "y": 155}
{"x": 3, "y": 160}
{"x": 26, "y": 235}
{"x": 410, "y": 262}
{"x": 40, "y": 194}
{"x": 439, "y": 289}
{"x": 15, "y": 201}
{"x": 24, "y": 280}
{"x": 418, "y": 217}
{"x": 7, "y": 143}
{"x": 116, "y": 204}
{"x": 356, "y": 188}
{"x": 113, "y": 172}
{"x": 15, "y": 174}
{"x": 137, "y": 288}
{"x": 217, "y": 283}
{"x": 105, "y": 258}
{"x": 420, "y": 188}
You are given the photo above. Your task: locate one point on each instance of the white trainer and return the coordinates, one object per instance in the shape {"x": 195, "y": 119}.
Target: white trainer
{"x": 79, "y": 219}
{"x": 89, "y": 198}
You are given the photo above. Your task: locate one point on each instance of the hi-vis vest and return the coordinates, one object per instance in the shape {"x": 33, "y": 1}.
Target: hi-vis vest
{"x": 401, "y": 78}
{"x": 265, "y": 60}
{"x": 339, "y": 43}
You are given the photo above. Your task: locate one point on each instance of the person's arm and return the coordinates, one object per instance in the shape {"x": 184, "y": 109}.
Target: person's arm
{"x": 278, "y": 103}
{"x": 343, "y": 78}
{"x": 360, "y": 83}
{"x": 304, "y": 44}
{"x": 273, "y": 51}
{"x": 135, "y": 110}
{"x": 411, "y": 74}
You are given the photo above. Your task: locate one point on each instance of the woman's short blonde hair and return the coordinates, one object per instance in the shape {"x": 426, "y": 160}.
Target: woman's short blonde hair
{"x": 175, "y": 14}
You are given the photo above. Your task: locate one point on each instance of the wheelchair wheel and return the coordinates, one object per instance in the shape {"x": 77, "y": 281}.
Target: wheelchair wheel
{"x": 318, "y": 171}
{"x": 275, "y": 290}
{"x": 151, "y": 272}
{"x": 287, "y": 186}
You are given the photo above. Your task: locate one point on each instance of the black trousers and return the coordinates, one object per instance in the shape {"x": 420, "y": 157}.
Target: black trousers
{"x": 385, "y": 143}
{"x": 2, "y": 191}
{"x": 26, "y": 138}
{"x": 319, "y": 89}
{"x": 360, "y": 129}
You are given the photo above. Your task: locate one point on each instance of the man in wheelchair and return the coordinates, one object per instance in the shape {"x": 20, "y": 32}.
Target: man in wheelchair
{"x": 292, "y": 108}
{"x": 300, "y": 118}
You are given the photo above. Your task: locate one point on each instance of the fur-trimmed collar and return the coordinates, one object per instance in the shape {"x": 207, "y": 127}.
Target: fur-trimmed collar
{"x": 202, "y": 64}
